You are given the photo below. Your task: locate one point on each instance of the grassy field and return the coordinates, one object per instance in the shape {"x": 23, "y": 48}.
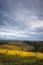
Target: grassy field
{"x": 15, "y": 53}
{"x": 18, "y": 60}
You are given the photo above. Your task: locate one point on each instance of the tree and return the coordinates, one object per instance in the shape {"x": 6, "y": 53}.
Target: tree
{"x": 36, "y": 47}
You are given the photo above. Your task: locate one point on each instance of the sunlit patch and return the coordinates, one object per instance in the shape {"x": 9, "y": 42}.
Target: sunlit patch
{"x": 21, "y": 53}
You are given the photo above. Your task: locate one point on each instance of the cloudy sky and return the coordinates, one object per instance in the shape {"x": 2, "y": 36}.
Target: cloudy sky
{"x": 21, "y": 19}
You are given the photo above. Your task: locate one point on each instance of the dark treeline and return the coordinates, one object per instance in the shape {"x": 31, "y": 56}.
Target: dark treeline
{"x": 3, "y": 42}
{"x": 38, "y": 45}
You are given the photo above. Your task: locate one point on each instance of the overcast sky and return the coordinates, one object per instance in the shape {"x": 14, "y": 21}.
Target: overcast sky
{"x": 21, "y": 19}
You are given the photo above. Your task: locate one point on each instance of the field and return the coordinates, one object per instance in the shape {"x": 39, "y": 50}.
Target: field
{"x": 18, "y": 60}
{"x": 15, "y": 53}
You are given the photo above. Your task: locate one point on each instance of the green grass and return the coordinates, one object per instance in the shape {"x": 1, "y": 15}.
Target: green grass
{"x": 17, "y": 60}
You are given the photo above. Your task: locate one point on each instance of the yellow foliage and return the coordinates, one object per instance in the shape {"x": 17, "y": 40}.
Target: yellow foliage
{"x": 12, "y": 47}
{"x": 21, "y": 53}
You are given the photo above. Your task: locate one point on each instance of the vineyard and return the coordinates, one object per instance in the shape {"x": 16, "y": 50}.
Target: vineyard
{"x": 18, "y": 53}
{"x": 21, "y": 53}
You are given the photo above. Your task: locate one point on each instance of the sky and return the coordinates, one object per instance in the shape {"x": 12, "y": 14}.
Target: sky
{"x": 21, "y": 20}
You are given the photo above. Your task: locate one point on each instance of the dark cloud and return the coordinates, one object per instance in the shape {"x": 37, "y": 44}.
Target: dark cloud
{"x": 21, "y": 18}
{"x": 39, "y": 29}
